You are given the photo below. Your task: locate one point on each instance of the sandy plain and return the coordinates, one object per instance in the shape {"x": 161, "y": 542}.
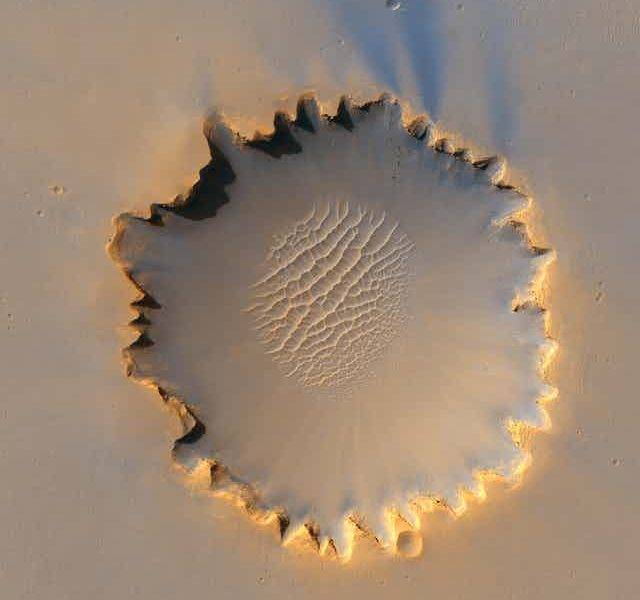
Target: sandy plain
{"x": 101, "y": 113}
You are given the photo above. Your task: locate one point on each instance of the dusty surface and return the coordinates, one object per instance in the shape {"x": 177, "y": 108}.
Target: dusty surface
{"x": 101, "y": 113}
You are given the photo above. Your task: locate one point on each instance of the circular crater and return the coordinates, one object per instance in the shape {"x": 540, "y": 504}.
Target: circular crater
{"x": 333, "y": 295}
{"x": 409, "y": 544}
{"x": 402, "y": 271}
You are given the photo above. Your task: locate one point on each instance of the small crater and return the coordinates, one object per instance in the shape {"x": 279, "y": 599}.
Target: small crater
{"x": 409, "y": 544}
{"x": 58, "y": 190}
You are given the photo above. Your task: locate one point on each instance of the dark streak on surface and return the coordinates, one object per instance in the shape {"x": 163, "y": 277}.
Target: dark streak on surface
{"x": 143, "y": 341}
{"x": 146, "y": 300}
{"x": 141, "y": 319}
{"x": 194, "y": 434}
{"x": 343, "y": 116}
{"x": 280, "y": 142}
{"x": 367, "y": 106}
{"x": 208, "y": 193}
{"x": 303, "y": 120}
{"x": 483, "y": 163}
{"x": 417, "y": 129}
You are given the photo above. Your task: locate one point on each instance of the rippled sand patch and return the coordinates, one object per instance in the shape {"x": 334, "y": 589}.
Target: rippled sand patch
{"x": 334, "y": 294}
{"x": 346, "y": 315}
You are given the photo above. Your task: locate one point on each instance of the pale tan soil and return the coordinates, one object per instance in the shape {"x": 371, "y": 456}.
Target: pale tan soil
{"x": 106, "y": 101}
